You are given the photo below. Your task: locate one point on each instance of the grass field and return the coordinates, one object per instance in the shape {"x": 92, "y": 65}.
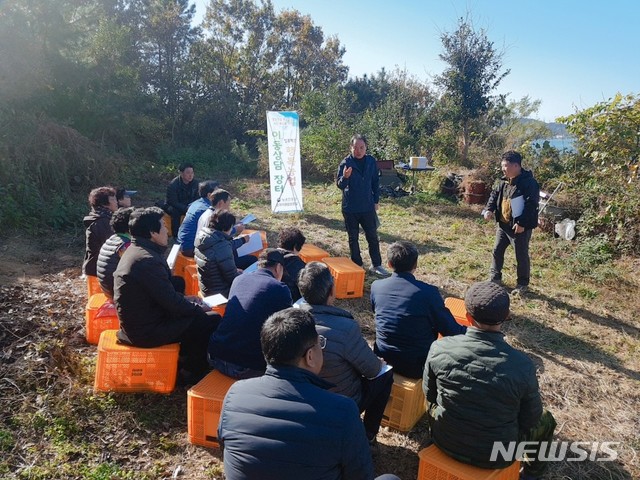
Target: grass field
{"x": 579, "y": 324}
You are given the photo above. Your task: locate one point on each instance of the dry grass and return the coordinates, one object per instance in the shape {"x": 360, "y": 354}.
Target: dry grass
{"x": 582, "y": 332}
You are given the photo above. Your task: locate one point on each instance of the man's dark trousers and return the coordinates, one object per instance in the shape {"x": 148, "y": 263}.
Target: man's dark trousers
{"x": 352, "y": 222}
{"x": 375, "y": 394}
{"x": 520, "y": 242}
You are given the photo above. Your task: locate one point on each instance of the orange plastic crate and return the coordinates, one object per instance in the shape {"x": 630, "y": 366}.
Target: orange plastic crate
{"x": 191, "y": 280}
{"x": 93, "y": 286}
{"x": 311, "y": 253}
{"x": 348, "y": 277}
{"x": 181, "y": 263}
{"x": 167, "y": 222}
{"x": 204, "y": 404}
{"x": 406, "y": 404}
{"x": 263, "y": 237}
{"x": 122, "y": 368}
{"x": 436, "y": 465}
{"x": 458, "y": 310}
{"x": 100, "y": 315}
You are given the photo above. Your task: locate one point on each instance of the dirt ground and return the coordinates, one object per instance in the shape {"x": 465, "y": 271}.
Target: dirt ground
{"x": 52, "y": 425}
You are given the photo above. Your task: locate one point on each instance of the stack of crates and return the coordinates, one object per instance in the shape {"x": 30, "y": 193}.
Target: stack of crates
{"x": 204, "y": 404}
{"x": 100, "y": 315}
{"x": 406, "y": 404}
{"x": 311, "y": 253}
{"x": 348, "y": 277}
{"x": 458, "y": 310}
{"x": 123, "y": 368}
{"x": 436, "y": 465}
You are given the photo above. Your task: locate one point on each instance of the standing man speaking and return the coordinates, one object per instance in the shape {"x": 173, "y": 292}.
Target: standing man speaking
{"x": 514, "y": 204}
{"x": 358, "y": 180}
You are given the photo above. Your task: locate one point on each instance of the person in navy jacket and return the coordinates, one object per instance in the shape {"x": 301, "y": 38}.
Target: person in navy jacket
{"x": 409, "y": 314}
{"x": 286, "y": 425}
{"x": 358, "y": 180}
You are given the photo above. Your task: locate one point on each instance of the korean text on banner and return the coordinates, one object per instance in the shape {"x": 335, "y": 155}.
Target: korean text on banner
{"x": 283, "y": 130}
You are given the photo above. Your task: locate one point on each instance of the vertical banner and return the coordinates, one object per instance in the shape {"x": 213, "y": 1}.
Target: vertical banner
{"x": 283, "y": 129}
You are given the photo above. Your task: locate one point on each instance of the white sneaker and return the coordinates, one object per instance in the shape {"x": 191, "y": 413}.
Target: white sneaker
{"x": 379, "y": 270}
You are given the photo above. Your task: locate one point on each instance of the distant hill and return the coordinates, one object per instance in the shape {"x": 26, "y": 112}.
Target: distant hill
{"x": 557, "y": 129}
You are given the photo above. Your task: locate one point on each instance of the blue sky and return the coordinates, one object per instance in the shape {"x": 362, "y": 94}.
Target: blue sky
{"x": 570, "y": 54}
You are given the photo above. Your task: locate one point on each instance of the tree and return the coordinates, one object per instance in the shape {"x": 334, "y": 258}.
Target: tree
{"x": 305, "y": 61}
{"x": 473, "y": 73}
{"x": 167, "y": 38}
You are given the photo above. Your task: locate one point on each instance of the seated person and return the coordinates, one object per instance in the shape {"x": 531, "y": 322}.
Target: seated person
{"x": 113, "y": 249}
{"x": 481, "y": 390}
{"x": 290, "y": 242}
{"x": 409, "y": 314}
{"x": 349, "y": 363}
{"x": 214, "y": 255}
{"x": 180, "y": 193}
{"x": 187, "y": 231}
{"x": 234, "y": 348}
{"x": 124, "y": 197}
{"x": 97, "y": 226}
{"x": 151, "y": 311}
{"x": 221, "y": 200}
{"x": 286, "y": 425}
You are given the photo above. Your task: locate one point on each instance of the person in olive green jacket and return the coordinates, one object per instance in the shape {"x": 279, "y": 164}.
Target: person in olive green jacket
{"x": 481, "y": 390}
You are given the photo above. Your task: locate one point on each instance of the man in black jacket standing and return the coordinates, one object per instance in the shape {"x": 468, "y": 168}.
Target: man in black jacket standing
{"x": 514, "y": 204}
{"x": 151, "y": 311}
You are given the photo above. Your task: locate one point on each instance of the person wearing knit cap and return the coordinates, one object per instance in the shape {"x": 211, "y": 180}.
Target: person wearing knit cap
{"x": 481, "y": 390}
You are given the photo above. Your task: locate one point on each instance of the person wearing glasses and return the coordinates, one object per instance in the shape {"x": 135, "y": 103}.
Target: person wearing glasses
{"x": 350, "y": 364}
{"x": 286, "y": 425}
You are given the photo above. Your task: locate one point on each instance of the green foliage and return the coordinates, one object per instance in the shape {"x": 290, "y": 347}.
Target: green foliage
{"x": 473, "y": 72}
{"x": 608, "y": 142}
{"x": 6, "y": 440}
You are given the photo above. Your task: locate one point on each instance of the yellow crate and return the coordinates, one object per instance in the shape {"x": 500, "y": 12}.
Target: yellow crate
{"x": 436, "y": 465}
{"x": 100, "y": 315}
{"x": 406, "y": 404}
{"x": 311, "y": 253}
{"x": 123, "y": 368}
{"x": 204, "y": 404}
{"x": 348, "y": 277}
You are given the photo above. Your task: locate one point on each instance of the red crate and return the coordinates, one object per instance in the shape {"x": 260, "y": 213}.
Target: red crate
{"x": 348, "y": 277}
{"x": 311, "y": 253}
{"x": 204, "y": 404}
{"x": 406, "y": 404}
{"x": 100, "y": 315}
{"x": 123, "y": 368}
{"x": 436, "y": 465}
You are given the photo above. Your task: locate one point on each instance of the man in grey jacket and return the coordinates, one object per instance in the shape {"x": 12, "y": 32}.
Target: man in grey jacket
{"x": 483, "y": 392}
{"x": 349, "y": 362}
